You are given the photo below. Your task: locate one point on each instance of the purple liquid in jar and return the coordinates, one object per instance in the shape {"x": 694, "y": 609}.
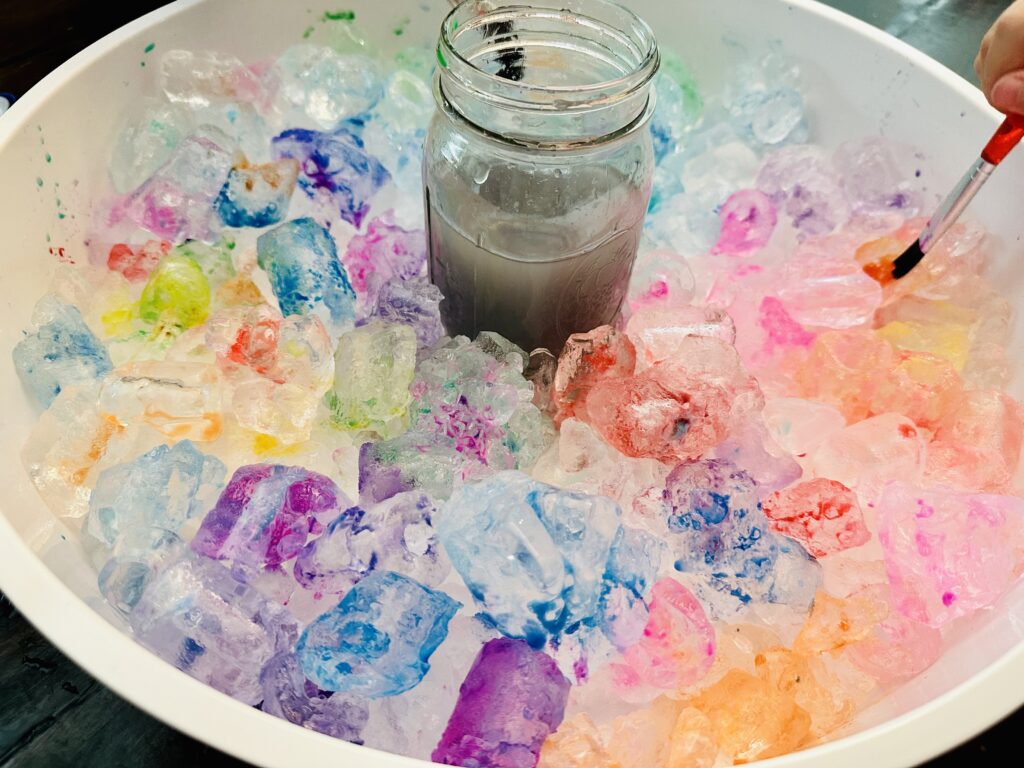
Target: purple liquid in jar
{"x": 530, "y": 278}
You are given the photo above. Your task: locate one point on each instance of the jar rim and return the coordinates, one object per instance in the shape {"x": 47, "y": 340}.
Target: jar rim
{"x": 541, "y": 145}
{"x": 472, "y": 14}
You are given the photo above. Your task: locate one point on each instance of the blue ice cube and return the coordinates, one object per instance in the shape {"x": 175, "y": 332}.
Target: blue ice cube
{"x": 301, "y": 260}
{"x": 583, "y": 528}
{"x": 797, "y": 576}
{"x": 60, "y": 353}
{"x": 378, "y": 640}
{"x": 722, "y": 539}
{"x": 162, "y": 488}
{"x": 667, "y": 123}
{"x": 532, "y": 555}
{"x": 335, "y": 165}
{"x": 398, "y": 126}
{"x": 257, "y": 196}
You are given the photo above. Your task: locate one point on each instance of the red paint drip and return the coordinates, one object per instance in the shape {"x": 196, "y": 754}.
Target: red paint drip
{"x": 61, "y": 255}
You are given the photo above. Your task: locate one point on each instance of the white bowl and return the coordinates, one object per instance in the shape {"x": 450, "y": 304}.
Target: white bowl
{"x": 860, "y": 81}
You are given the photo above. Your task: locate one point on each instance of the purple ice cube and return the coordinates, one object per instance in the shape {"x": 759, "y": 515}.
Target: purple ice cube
{"x": 378, "y": 480}
{"x": 804, "y": 185}
{"x": 384, "y": 252}
{"x": 196, "y": 615}
{"x": 414, "y": 302}
{"x": 513, "y": 698}
{"x": 289, "y": 695}
{"x": 405, "y": 538}
{"x": 265, "y": 515}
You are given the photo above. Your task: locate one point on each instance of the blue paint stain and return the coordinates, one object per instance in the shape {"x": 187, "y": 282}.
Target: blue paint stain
{"x": 190, "y": 651}
{"x": 62, "y": 352}
{"x": 301, "y": 260}
{"x": 336, "y": 163}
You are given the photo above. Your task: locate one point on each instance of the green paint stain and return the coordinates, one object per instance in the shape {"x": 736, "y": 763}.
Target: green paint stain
{"x": 399, "y": 29}
{"x": 47, "y": 237}
{"x": 307, "y": 33}
{"x": 339, "y": 15}
{"x": 142, "y": 63}
{"x": 149, "y": 48}
{"x": 60, "y": 216}
{"x": 39, "y": 181}
{"x": 693, "y": 103}
{"x": 48, "y": 158}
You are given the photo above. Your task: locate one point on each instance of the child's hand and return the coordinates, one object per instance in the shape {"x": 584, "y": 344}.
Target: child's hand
{"x": 1000, "y": 62}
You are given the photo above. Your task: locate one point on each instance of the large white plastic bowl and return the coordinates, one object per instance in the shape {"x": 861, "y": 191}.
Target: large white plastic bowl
{"x": 861, "y": 82}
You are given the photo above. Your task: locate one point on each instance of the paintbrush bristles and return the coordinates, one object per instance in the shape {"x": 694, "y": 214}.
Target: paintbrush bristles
{"x": 907, "y": 260}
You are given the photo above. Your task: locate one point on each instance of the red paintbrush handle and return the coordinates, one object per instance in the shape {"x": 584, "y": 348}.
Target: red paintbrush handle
{"x": 1006, "y": 137}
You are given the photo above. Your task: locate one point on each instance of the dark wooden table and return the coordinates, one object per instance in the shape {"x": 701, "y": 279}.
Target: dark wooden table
{"x": 52, "y": 714}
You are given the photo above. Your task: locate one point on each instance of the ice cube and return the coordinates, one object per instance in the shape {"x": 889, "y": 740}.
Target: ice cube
{"x": 379, "y": 639}
{"x": 60, "y": 352}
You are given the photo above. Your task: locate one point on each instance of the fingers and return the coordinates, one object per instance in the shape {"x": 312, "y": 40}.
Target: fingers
{"x": 1002, "y": 53}
{"x": 1008, "y": 93}
{"x": 979, "y": 60}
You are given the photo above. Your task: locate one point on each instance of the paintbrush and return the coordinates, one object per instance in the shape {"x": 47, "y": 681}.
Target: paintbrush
{"x": 1006, "y": 137}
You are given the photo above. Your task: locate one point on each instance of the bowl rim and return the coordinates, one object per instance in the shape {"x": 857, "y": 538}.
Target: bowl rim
{"x": 216, "y": 719}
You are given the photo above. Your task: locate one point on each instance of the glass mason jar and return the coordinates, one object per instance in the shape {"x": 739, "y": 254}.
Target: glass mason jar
{"x": 538, "y": 165}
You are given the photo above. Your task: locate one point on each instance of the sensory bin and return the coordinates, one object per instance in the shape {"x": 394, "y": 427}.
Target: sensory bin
{"x": 711, "y": 534}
